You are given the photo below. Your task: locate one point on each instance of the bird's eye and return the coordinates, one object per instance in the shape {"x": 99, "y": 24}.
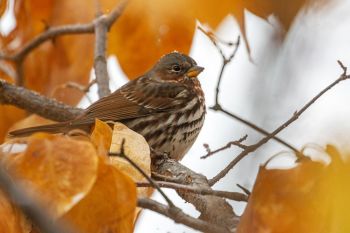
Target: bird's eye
{"x": 176, "y": 68}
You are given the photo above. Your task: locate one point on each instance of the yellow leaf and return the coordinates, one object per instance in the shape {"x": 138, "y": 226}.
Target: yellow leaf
{"x": 135, "y": 147}
{"x": 101, "y": 137}
{"x": 57, "y": 169}
{"x": 311, "y": 197}
{"x": 8, "y": 116}
{"x": 3, "y": 6}
{"x": 109, "y": 206}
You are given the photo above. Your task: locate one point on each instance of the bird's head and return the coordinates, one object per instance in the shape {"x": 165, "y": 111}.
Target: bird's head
{"x": 176, "y": 66}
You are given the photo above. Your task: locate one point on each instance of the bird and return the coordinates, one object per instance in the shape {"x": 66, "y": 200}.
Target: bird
{"x": 166, "y": 106}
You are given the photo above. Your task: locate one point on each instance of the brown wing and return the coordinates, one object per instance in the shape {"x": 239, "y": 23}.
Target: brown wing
{"x": 137, "y": 98}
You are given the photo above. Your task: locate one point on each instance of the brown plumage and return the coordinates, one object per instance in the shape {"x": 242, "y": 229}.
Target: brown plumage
{"x": 166, "y": 106}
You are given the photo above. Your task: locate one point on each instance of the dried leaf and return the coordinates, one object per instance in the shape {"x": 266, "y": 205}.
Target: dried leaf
{"x": 101, "y": 137}
{"x": 311, "y": 197}
{"x": 8, "y": 116}
{"x": 137, "y": 149}
{"x": 109, "y": 206}
{"x": 58, "y": 169}
{"x": 3, "y": 6}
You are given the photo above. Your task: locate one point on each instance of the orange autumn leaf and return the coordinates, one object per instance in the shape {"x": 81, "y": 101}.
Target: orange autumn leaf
{"x": 3, "y": 6}
{"x": 101, "y": 137}
{"x": 150, "y": 29}
{"x": 135, "y": 147}
{"x": 8, "y": 116}
{"x": 109, "y": 206}
{"x": 54, "y": 62}
{"x": 67, "y": 58}
{"x": 146, "y": 31}
{"x": 311, "y": 197}
{"x": 58, "y": 169}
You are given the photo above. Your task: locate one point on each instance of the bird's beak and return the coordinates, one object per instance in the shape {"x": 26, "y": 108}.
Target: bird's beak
{"x": 194, "y": 71}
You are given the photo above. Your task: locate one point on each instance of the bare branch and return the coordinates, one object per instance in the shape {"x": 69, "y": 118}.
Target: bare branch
{"x": 115, "y": 13}
{"x": 180, "y": 217}
{"x": 237, "y": 143}
{"x": 100, "y": 63}
{"x": 213, "y": 209}
{"x": 295, "y": 116}
{"x": 102, "y": 26}
{"x": 36, "y": 103}
{"x": 217, "y": 106}
{"x": 47, "y": 35}
{"x": 245, "y": 190}
{"x": 202, "y": 191}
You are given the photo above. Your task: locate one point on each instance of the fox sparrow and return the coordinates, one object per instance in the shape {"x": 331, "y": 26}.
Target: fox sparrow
{"x": 166, "y": 106}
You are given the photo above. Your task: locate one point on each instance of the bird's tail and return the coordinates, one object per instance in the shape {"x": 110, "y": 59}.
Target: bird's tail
{"x": 52, "y": 128}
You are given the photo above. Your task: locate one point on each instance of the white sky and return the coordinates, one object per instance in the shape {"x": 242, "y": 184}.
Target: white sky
{"x": 266, "y": 93}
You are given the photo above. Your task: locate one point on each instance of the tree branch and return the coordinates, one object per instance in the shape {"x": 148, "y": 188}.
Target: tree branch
{"x": 100, "y": 63}
{"x": 178, "y": 216}
{"x": 36, "y": 103}
{"x": 295, "y": 116}
{"x": 237, "y": 143}
{"x": 217, "y": 106}
{"x": 213, "y": 209}
{"x": 102, "y": 25}
{"x": 235, "y": 196}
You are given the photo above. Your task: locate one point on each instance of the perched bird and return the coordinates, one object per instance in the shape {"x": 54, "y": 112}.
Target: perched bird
{"x": 166, "y": 105}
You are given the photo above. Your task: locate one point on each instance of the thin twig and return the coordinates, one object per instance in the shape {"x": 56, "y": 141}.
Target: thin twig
{"x": 295, "y": 116}
{"x": 180, "y": 217}
{"x": 235, "y": 196}
{"x": 244, "y": 189}
{"x": 237, "y": 143}
{"x": 48, "y": 35}
{"x": 38, "y": 216}
{"x": 149, "y": 179}
{"x": 217, "y": 106}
